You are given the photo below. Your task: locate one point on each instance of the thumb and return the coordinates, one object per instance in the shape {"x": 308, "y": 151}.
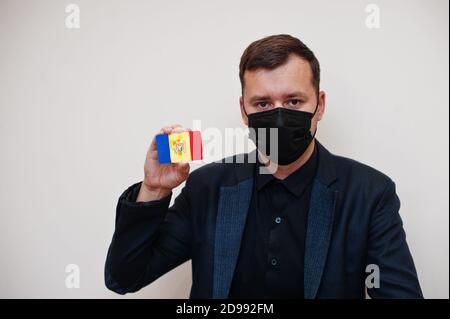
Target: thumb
{"x": 184, "y": 166}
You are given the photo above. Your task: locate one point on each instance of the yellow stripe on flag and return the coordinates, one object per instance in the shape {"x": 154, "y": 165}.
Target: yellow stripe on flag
{"x": 180, "y": 148}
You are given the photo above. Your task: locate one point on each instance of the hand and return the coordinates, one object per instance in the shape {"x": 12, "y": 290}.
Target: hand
{"x": 160, "y": 179}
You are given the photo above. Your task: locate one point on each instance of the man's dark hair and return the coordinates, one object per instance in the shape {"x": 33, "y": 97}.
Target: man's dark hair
{"x": 273, "y": 51}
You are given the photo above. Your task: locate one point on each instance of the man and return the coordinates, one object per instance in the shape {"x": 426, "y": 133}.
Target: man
{"x": 307, "y": 230}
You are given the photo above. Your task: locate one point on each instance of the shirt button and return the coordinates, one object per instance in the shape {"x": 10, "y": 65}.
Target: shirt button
{"x": 273, "y": 262}
{"x": 278, "y": 220}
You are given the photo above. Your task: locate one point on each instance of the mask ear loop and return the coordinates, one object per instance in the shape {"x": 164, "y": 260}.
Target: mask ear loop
{"x": 317, "y": 106}
{"x": 243, "y": 107}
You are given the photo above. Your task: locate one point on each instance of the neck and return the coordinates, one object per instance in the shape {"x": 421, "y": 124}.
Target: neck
{"x": 283, "y": 171}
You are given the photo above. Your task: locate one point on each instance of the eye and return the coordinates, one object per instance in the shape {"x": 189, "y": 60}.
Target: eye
{"x": 262, "y": 105}
{"x": 295, "y": 103}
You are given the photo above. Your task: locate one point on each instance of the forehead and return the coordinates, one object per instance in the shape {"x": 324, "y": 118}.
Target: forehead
{"x": 293, "y": 75}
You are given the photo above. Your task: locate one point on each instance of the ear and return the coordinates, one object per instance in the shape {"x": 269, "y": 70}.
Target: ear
{"x": 321, "y": 107}
{"x": 320, "y": 111}
{"x": 243, "y": 115}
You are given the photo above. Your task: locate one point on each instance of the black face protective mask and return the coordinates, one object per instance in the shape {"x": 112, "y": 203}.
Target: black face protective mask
{"x": 294, "y": 132}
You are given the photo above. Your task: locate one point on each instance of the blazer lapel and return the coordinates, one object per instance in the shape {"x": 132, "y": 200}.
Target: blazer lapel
{"x": 318, "y": 235}
{"x": 320, "y": 223}
{"x": 232, "y": 211}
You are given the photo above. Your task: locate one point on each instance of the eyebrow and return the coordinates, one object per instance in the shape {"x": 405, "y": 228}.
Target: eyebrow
{"x": 259, "y": 98}
{"x": 297, "y": 94}
{"x": 289, "y": 95}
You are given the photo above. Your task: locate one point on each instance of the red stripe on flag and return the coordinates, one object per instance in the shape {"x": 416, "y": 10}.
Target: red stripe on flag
{"x": 196, "y": 145}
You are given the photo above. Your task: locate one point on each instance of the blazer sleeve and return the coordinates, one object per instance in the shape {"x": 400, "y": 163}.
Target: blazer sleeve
{"x": 149, "y": 240}
{"x": 388, "y": 249}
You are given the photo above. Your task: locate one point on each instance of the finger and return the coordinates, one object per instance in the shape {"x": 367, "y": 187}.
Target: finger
{"x": 153, "y": 145}
{"x": 178, "y": 130}
{"x": 169, "y": 129}
{"x": 184, "y": 129}
{"x": 183, "y": 167}
{"x": 153, "y": 155}
{"x": 180, "y": 166}
{"x": 152, "y": 152}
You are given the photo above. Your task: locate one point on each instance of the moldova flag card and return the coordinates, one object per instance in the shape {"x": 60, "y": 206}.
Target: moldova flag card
{"x": 179, "y": 147}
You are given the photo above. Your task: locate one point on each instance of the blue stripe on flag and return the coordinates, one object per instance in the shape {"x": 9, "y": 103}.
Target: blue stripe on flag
{"x": 162, "y": 145}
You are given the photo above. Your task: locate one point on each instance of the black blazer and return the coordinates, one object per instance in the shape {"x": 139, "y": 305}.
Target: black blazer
{"x": 353, "y": 222}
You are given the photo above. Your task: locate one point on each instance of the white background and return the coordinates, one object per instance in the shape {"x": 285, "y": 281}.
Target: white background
{"x": 78, "y": 108}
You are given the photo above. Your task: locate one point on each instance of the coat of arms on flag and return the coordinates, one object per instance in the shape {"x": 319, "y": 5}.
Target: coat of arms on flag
{"x": 179, "y": 147}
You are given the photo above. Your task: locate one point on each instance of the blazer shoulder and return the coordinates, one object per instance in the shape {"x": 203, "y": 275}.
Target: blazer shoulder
{"x": 360, "y": 172}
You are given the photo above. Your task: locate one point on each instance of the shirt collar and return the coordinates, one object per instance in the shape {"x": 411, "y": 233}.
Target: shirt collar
{"x": 297, "y": 182}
